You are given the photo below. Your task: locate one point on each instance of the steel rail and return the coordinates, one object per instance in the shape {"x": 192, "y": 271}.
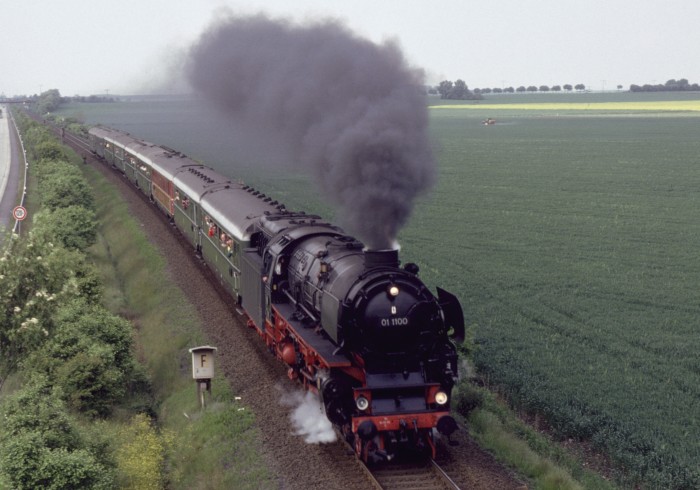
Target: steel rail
{"x": 443, "y": 474}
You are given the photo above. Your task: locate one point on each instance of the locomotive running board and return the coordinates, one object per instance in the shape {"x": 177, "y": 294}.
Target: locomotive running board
{"x": 324, "y": 347}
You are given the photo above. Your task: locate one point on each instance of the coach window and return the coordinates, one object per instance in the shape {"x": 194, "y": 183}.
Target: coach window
{"x": 211, "y": 227}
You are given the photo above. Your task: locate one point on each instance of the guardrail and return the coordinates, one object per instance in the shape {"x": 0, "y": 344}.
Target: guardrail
{"x": 16, "y": 228}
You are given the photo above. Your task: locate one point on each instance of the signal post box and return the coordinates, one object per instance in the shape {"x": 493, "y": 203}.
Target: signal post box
{"x": 203, "y": 369}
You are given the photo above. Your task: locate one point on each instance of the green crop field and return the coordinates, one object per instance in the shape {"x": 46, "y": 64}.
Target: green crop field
{"x": 573, "y": 245}
{"x": 571, "y": 237}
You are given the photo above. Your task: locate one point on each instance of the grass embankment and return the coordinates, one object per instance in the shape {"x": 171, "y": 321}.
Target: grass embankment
{"x": 533, "y": 454}
{"x": 211, "y": 449}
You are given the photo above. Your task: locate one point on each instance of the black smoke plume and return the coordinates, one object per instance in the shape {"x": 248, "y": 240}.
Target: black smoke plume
{"x": 348, "y": 109}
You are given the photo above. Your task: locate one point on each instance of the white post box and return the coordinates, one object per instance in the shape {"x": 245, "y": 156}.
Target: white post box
{"x": 203, "y": 362}
{"x": 203, "y": 370}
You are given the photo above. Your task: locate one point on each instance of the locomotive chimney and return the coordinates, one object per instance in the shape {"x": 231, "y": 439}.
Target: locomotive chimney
{"x": 381, "y": 258}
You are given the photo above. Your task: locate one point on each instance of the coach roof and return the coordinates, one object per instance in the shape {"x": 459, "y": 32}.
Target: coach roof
{"x": 235, "y": 209}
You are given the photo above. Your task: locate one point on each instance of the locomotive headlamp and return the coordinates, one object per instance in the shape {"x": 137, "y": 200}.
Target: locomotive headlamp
{"x": 393, "y": 291}
{"x": 362, "y": 403}
{"x": 440, "y": 397}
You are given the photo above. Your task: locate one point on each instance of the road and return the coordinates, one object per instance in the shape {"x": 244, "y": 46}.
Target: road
{"x": 9, "y": 170}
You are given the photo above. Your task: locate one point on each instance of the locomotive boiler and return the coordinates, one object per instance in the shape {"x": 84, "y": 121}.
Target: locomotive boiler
{"x": 350, "y": 323}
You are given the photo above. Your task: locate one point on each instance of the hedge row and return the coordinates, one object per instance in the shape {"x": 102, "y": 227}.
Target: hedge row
{"x": 75, "y": 357}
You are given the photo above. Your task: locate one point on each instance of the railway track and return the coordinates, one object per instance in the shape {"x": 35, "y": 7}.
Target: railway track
{"x": 421, "y": 474}
{"x": 79, "y": 144}
{"x": 428, "y": 475}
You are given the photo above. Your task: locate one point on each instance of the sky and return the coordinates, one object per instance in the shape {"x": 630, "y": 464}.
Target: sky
{"x": 123, "y": 47}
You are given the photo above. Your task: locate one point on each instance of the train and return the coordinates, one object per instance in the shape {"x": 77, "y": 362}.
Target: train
{"x": 351, "y": 324}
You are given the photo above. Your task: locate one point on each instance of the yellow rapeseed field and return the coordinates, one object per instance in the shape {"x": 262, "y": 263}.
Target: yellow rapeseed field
{"x": 654, "y": 106}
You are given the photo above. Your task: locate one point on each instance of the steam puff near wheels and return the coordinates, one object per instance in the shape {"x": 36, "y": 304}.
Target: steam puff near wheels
{"x": 307, "y": 417}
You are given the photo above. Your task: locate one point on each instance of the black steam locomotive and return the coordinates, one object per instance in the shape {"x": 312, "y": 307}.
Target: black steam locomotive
{"x": 350, "y": 323}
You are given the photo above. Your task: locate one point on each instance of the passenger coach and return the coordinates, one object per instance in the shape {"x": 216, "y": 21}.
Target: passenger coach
{"x": 215, "y": 214}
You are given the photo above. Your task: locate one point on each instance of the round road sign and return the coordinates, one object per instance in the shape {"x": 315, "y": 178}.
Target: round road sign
{"x": 19, "y": 213}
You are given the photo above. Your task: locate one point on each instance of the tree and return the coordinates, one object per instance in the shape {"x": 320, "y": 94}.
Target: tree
{"x": 38, "y": 407}
{"x": 88, "y": 356}
{"x": 40, "y": 446}
{"x": 36, "y": 276}
{"x": 568, "y": 87}
{"x": 544, "y": 88}
{"x": 459, "y": 90}
{"x": 48, "y": 101}
{"x": 444, "y": 89}
{"x": 63, "y": 188}
{"x": 532, "y": 88}
{"x": 73, "y": 227}
{"x": 556, "y": 88}
{"x": 520, "y": 89}
{"x": 48, "y": 150}
{"x": 580, "y": 86}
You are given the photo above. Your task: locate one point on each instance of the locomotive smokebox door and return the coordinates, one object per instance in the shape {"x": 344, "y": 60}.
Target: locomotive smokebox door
{"x": 203, "y": 362}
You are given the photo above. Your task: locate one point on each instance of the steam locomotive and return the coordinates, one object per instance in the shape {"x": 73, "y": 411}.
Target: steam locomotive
{"x": 350, "y": 323}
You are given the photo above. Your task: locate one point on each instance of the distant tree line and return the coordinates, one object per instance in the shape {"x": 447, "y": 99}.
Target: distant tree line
{"x": 672, "y": 85}
{"x": 90, "y": 98}
{"x": 459, "y": 90}
{"x": 50, "y": 100}
{"x": 531, "y": 88}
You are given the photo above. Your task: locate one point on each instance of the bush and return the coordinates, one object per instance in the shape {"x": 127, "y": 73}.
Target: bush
{"x": 468, "y": 398}
{"x": 91, "y": 383}
{"x": 40, "y": 447}
{"x": 48, "y": 149}
{"x": 141, "y": 455}
{"x": 34, "y": 280}
{"x": 63, "y": 188}
{"x": 38, "y": 408}
{"x": 27, "y": 463}
{"x": 89, "y": 357}
{"x": 79, "y": 319}
{"x": 45, "y": 169}
{"x": 74, "y": 227}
